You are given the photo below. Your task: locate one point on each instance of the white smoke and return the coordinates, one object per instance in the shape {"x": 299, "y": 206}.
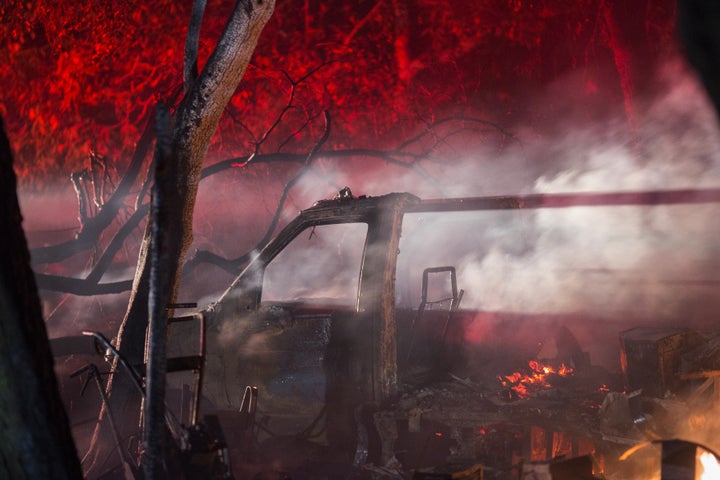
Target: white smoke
{"x": 626, "y": 265}
{"x": 640, "y": 260}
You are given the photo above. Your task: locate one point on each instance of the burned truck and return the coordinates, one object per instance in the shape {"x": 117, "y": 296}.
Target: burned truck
{"x": 369, "y": 339}
{"x": 360, "y": 300}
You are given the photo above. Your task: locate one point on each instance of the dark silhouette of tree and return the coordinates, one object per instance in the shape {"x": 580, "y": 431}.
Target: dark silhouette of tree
{"x": 35, "y": 438}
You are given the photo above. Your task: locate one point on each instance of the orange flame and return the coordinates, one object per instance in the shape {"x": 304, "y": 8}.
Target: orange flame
{"x": 536, "y": 379}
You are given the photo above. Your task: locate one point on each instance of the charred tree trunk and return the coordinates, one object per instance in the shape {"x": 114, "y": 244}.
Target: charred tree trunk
{"x": 35, "y": 438}
{"x": 164, "y": 251}
{"x": 195, "y": 122}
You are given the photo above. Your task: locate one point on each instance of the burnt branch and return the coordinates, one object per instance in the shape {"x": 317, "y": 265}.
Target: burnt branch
{"x": 297, "y": 131}
{"x": 91, "y": 285}
{"x": 431, "y": 129}
{"x": 192, "y": 44}
{"x": 106, "y": 259}
{"x": 407, "y": 160}
{"x": 77, "y": 182}
{"x": 200, "y": 110}
{"x": 289, "y": 106}
{"x": 92, "y": 228}
{"x": 400, "y": 156}
{"x": 231, "y": 266}
{"x": 289, "y": 186}
{"x": 363, "y": 21}
{"x": 100, "y": 176}
{"x": 80, "y": 286}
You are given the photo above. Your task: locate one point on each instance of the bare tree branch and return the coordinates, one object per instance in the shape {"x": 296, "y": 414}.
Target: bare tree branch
{"x": 288, "y": 187}
{"x": 359, "y": 25}
{"x": 90, "y": 231}
{"x": 79, "y": 286}
{"x": 192, "y": 44}
{"x": 431, "y": 129}
{"x": 402, "y": 158}
{"x": 105, "y": 261}
{"x": 297, "y": 131}
{"x": 289, "y": 106}
{"x": 231, "y": 266}
{"x": 91, "y": 285}
{"x": 76, "y": 180}
{"x": 393, "y": 156}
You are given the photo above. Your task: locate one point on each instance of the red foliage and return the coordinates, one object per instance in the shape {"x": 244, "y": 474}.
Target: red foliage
{"x": 81, "y": 76}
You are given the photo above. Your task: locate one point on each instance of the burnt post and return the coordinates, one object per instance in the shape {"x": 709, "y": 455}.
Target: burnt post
{"x": 361, "y": 356}
{"x": 376, "y": 303}
{"x": 162, "y": 247}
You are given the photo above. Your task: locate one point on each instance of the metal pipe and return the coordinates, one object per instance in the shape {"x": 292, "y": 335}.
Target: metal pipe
{"x": 566, "y": 200}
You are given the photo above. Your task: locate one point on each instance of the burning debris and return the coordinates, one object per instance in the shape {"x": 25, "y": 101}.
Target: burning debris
{"x": 537, "y": 378}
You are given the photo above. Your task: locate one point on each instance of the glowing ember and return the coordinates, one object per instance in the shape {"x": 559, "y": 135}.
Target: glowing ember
{"x": 538, "y": 378}
{"x": 709, "y": 467}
